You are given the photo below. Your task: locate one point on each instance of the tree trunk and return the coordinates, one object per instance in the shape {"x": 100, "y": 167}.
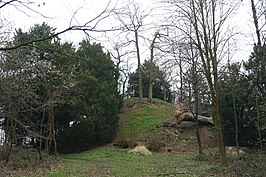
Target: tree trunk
{"x": 259, "y": 124}
{"x": 256, "y": 23}
{"x": 41, "y": 134}
{"x": 207, "y": 45}
{"x": 195, "y": 86}
{"x": 220, "y": 135}
{"x": 151, "y": 69}
{"x": 164, "y": 92}
{"x": 139, "y": 67}
{"x": 196, "y": 119}
{"x": 198, "y": 137}
{"x": 150, "y": 88}
{"x": 53, "y": 133}
{"x": 12, "y": 134}
{"x": 181, "y": 99}
{"x": 260, "y": 51}
{"x": 236, "y": 125}
{"x": 124, "y": 86}
{"x": 140, "y": 85}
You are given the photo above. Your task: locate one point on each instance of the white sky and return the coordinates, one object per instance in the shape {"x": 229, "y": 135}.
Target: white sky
{"x": 60, "y": 12}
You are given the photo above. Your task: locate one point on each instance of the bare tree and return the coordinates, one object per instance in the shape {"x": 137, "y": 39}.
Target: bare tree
{"x": 171, "y": 56}
{"x": 207, "y": 18}
{"x": 195, "y": 87}
{"x": 132, "y": 19}
{"x": 121, "y": 57}
{"x": 151, "y": 65}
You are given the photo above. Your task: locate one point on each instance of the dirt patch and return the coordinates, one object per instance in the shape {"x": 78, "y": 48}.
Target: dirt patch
{"x": 182, "y": 138}
{"x": 126, "y": 110}
{"x": 208, "y": 137}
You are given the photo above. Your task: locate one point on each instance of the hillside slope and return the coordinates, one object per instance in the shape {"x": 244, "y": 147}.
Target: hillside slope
{"x": 153, "y": 124}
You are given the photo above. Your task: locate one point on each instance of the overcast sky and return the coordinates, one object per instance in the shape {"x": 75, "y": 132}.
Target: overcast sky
{"x": 57, "y": 13}
{"x": 60, "y": 12}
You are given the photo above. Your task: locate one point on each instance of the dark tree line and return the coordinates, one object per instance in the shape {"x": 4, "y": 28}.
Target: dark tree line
{"x": 243, "y": 90}
{"x": 160, "y": 85}
{"x": 55, "y": 96}
{"x": 243, "y": 101}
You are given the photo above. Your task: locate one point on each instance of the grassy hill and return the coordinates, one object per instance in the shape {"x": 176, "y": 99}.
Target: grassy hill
{"x": 153, "y": 124}
{"x": 138, "y": 121}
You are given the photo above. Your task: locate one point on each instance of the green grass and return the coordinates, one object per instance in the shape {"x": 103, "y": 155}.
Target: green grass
{"x": 141, "y": 121}
{"x": 110, "y": 161}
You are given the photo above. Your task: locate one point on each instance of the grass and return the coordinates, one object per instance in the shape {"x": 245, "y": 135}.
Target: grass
{"x": 110, "y": 161}
{"x": 116, "y": 162}
{"x": 142, "y": 120}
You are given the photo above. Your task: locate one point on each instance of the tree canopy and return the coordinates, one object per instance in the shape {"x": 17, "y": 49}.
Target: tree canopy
{"x": 59, "y": 96}
{"x": 161, "y": 87}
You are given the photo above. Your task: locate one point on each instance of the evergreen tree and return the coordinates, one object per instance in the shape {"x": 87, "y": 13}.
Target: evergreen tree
{"x": 58, "y": 96}
{"x": 160, "y": 84}
{"x": 92, "y": 111}
{"x": 235, "y": 107}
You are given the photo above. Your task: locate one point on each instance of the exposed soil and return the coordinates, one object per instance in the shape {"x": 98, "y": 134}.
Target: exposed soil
{"x": 125, "y": 112}
{"x": 182, "y": 138}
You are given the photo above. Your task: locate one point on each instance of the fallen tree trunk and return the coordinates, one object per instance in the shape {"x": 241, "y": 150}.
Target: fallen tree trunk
{"x": 188, "y": 116}
{"x": 182, "y": 114}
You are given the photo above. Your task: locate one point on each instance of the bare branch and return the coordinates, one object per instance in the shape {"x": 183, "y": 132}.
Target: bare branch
{"x": 7, "y": 3}
{"x": 85, "y": 28}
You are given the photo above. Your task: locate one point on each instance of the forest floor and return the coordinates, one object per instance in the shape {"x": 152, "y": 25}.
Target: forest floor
{"x": 173, "y": 146}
